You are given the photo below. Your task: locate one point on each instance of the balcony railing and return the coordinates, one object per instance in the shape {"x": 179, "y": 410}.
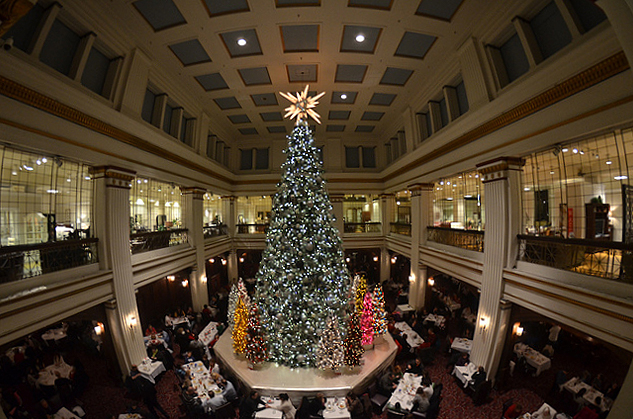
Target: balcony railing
{"x": 252, "y": 228}
{"x": 604, "y": 259}
{"x": 215, "y": 231}
{"x": 29, "y": 260}
{"x": 154, "y": 240}
{"x": 465, "y": 239}
{"x": 368, "y": 227}
{"x": 401, "y": 228}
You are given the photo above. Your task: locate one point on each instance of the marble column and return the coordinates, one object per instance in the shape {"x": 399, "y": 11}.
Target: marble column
{"x": 501, "y": 178}
{"x": 337, "y": 210}
{"x": 112, "y": 214}
{"x": 193, "y": 216}
{"x": 229, "y": 214}
{"x": 420, "y": 195}
{"x": 233, "y": 270}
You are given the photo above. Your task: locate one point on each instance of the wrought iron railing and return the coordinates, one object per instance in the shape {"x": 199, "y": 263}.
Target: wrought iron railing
{"x": 252, "y": 228}
{"x": 401, "y": 228}
{"x": 29, "y": 260}
{"x": 368, "y": 227}
{"x": 466, "y": 239}
{"x": 604, "y": 259}
{"x": 215, "y": 231}
{"x": 154, "y": 240}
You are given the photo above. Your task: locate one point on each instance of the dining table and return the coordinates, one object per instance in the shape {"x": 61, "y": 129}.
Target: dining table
{"x": 64, "y": 413}
{"x": 574, "y": 385}
{"x": 209, "y": 393}
{"x": 465, "y": 373}
{"x": 413, "y": 339}
{"x": 436, "y": 319}
{"x": 270, "y": 412}
{"x": 209, "y": 333}
{"x": 462, "y": 345}
{"x": 48, "y": 374}
{"x": 151, "y": 369}
{"x": 155, "y": 339}
{"x": 336, "y": 408}
{"x": 532, "y": 357}
{"x": 54, "y": 335}
{"x": 405, "y": 392}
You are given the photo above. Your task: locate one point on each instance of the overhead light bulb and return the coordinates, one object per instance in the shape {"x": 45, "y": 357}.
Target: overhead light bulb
{"x": 343, "y": 96}
{"x": 609, "y": 162}
{"x": 360, "y": 38}
{"x": 241, "y": 42}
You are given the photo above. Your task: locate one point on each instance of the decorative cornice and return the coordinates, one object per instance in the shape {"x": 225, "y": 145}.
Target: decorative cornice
{"x": 115, "y": 177}
{"x": 44, "y": 103}
{"x": 603, "y": 70}
{"x": 197, "y": 192}
{"x": 417, "y": 188}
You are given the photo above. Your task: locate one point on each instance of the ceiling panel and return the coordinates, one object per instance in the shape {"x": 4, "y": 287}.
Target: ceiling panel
{"x": 364, "y": 128}
{"x": 344, "y": 115}
{"x": 360, "y": 39}
{"x": 254, "y": 76}
{"x": 350, "y": 73}
{"x": 396, "y": 76}
{"x": 277, "y": 129}
{"x": 190, "y": 52}
{"x": 382, "y": 99}
{"x": 300, "y": 38}
{"x": 302, "y": 72}
{"x": 227, "y": 103}
{"x": 372, "y": 116}
{"x": 297, "y": 3}
{"x": 160, "y": 14}
{"x": 415, "y": 45}
{"x": 264, "y": 99}
{"x": 239, "y": 119}
{"x": 242, "y": 43}
{"x": 371, "y": 4}
{"x": 439, "y": 9}
{"x": 271, "y": 116}
{"x": 248, "y": 131}
{"x": 224, "y": 7}
{"x": 211, "y": 82}
{"x": 335, "y": 128}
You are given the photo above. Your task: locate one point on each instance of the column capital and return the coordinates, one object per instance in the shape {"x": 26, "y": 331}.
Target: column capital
{"x": 498, "y": 169}
{"x": 386, "y": 196}
{"x": 229, "y": 198}
{"x": 115, "y": 177}
{"x": 417, "y": 188}
{"x": 197, "y": 192}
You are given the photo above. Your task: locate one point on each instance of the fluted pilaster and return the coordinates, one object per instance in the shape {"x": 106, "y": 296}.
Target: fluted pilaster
{"x": 193, "y": 217}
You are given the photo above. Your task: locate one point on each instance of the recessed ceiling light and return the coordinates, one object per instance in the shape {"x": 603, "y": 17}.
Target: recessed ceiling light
{"x": 609, "y": 162}
{"x": 343, "y": 96}
{"x": 360, "y": 38}
{"x": 241, "y": 42}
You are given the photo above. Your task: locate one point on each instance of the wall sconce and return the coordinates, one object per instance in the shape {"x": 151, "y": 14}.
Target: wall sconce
{"x": 431, "y": 281}
{"x": 347, "y": 260}
{"x": 375, "y": 258}
{"x": 212, "y": 260}
{"x": 171, "y": 278}
{"x": 132, "y": 322}
{"x": 411, "y": 278}
{"x": 241, "y": 260}
{"x": 99, "y": 329}
{"x": 519, "y": 331}
{"x": 393, "y": 260}
{"x": 223, "y": 261}
{"x": 483, "y": 322}
{"x": 204, "y": 279}
{"x": 184, "y": 283}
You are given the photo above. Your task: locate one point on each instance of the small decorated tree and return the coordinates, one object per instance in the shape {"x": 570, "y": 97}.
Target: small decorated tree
{"x": 330, "y": 353}
{"x": 380, "y": 315}
{"x": 239, "y": 329}
{"x": 256, "y": 350}
{"x": 353, "y": 347}
{"x": 243, "y": 293}
{"x": 233, "y": 297}
{"x": 367, "y": 320}
{"x": 361, "y": 290}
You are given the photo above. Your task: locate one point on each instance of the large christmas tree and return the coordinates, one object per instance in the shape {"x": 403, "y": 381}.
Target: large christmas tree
{"x": 302, "y": 279}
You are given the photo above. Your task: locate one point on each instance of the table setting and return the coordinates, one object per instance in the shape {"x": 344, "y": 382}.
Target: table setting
{"x": 209, "y": 333}
{"x": 465, "y": 373}
{"x": 462, "y": 345}
{"x": 575, "y": 384}
{"x": 203, "y": 383}
{"x": 413, "y": 339}
{"x": 405, "y": 392}
{"x": 336, "y": 408}
{"x": 533, "y": 357}
{"x": 438, "y": 320}
{"x": 151, "y": 369}
{"x": 269, "y": 412}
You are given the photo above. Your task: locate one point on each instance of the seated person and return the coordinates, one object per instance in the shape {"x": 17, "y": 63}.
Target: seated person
{"x": 354, "y": 406}
{"x": 416, "y": 368}
{"x": 421, "y": 401}
{"x": 478, "y": 377}
{"x": 317, "y": 405}
{"x": 228, "y": 390}
{"x": 250, "y": 405}
{"x": 387, "y": 384}
{"x": 427, "y": 386}
{"x": 191, "y": 401}
{"x": 151, "y": 330}
{"x": 463, "y": 360}
{"x": 545, "y": 412}
{"x": 188, "y": 357}
{"x": 513, "y": 412}
{"x": 285, "y": 406}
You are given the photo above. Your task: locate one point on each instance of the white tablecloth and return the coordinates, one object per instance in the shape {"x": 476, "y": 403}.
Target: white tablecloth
{"x": 533, "y": 357}
{"x": 208, "y": 391}
{"x": 54, "y": 334}
{"x": 413, "y": 339}
{"x": 155, "y": 339}
{"x": 180, "y": 322}
{"x": 47, "y": 375}
{"x": 270, "y": 413}
{"x": 405, "y": 392}
{"x": 575, "y": 384}
{"x": 64, "y": 413}
{"x": 130, "y": 416}
{"x": 405, "y": 308}
{"x": 208, "y": 334}
{"x": 539, "y": 413}
{"x": 462, "y": 345}
{"x": 151, "y": 370}
{"x": 465, "y": 373}
{"x": 438, "y": 320}
{"x": 336, "y": 408}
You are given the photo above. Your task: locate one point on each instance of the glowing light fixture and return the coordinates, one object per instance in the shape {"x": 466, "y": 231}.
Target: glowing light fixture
{"x": 360, "y": 38}
{"x": 223, "y": 261}
{"x": 171, "y": 278}
{"x": 375, "y": 258}
{"x": 343, "y": 96}
{"x": 484, "y": 322}
{"x": 132, "y": 321}
{"x": 185, "y": 283}
{"x": 431, "y": 281}
{"x": 241, "y": 42}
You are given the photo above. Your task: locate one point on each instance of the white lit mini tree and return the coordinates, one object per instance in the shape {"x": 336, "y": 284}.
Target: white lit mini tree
{"x": 330, "y": 354}
{"x": 303, "y": 278}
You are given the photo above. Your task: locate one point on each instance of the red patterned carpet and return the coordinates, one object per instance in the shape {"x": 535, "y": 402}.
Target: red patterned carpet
{"x": 104, "y": 399}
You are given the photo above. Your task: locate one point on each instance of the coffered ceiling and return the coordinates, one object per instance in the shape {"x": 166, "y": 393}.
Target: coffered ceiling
{"x": 374, "y": 58}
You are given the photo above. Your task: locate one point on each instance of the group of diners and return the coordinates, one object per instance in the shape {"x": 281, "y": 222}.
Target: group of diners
{"x": 38, "y": 380}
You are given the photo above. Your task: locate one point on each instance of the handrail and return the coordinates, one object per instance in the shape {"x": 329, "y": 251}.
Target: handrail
{"x": 253, "y": 228}
{"x": 154, "y": 240}
{"x": 607, "y": 244}
{"x": 465, "y": 239}
{"x": 365, "y": 227}
{"x": 44, "y": 245}
{"x": 482, "y": 232}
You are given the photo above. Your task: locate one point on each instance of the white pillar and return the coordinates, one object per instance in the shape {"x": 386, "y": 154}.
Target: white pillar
{"x": 229, "y": 210}
{"x": 420, "y": 195}
{"x": 193, "y": 216}
{"x": 501, "y": 177}
{"x": 337, "y": 210}
{"x": 620, "y": 15}
{"x": 471, "y": 63}
{"x": 623, "y": 405}
{"x": 232, "y": 267}
{"x": 113, "y": 229}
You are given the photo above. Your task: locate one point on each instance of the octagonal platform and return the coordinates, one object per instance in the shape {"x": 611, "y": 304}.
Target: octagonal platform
{"x": 272, "y": 379}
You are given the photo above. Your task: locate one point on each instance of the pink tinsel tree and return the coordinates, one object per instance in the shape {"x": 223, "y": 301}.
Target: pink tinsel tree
{"x": 367, "y": 320}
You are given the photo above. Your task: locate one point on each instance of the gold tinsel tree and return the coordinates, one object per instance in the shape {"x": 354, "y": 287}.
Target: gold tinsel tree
{"x": 361, "y": 290}
{"x": 239, "y": 328}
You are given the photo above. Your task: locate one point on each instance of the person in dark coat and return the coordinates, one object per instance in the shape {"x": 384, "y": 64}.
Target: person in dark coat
{"x": 250, "y": 405}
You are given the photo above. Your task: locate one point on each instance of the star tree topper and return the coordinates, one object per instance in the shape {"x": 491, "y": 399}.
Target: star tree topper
{"x": 302, "y": 105}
